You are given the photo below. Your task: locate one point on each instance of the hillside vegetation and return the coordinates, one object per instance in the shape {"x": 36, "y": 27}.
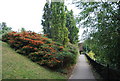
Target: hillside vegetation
{"x": 41, "y": 49}
{"x": 16, "y": 66}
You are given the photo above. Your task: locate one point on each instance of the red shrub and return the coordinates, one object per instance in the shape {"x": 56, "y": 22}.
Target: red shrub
{"x": 38, "y": 48}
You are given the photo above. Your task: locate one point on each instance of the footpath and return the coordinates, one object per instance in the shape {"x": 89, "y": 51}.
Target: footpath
{"x": 82, "y": 70}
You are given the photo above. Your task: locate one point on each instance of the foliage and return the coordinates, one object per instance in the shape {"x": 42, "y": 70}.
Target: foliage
{"x": 46, "y": 20}
{"x": 74, "y": 50}
{"x": 102, "y": 19}
{"x": 40, "y": 49}
{"x": 86, "y": 47}
{"x": 16, "y": 66}
{"x": 4, "y": 28}
{"x": 91, "y": 55}
{"x": 23, "y": 30}
{"x": 71, "y": 25}
{"x": 54, "y": 21}
{"x": 59, "y": 31}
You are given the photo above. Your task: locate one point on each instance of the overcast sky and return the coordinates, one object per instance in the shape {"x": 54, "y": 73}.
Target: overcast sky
{"x": 26, "y": 14}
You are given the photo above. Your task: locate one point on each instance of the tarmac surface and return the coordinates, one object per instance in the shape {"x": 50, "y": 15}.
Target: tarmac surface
{"x": 82, "y": 70}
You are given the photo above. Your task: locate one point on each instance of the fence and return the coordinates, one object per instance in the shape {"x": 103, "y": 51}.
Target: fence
{"x": 104, "y": 71}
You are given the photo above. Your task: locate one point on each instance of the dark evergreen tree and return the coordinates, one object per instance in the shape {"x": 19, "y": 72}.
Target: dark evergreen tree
{"x": 47, "y": 19}
{"x": 4, "y": 29}
{"x": 23, "y": 30}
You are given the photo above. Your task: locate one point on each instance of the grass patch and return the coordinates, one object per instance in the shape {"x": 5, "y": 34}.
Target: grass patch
{"x": 16, "y": 66}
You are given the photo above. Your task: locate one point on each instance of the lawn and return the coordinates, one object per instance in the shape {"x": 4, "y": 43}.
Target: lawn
{"x": 16, "y": 66}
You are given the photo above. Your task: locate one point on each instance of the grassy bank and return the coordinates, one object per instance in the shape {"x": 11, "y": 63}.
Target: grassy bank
{"x": 16, "y": 66}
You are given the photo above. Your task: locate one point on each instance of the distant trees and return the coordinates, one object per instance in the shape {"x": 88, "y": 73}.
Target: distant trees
{"x": 23, "y": 30}
{"x": 55, "y": 19}
{"x": 4, "y": 28}
{"x": 103, "y": 24}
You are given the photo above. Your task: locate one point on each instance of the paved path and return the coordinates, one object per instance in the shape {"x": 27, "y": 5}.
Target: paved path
{"x": 82, "y": 69}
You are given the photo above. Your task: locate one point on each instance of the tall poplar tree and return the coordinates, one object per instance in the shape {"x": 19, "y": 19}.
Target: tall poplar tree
{"x": 71, "y": 25}
{"x": 58, "y": 24}
{"x": 54, "y": 22}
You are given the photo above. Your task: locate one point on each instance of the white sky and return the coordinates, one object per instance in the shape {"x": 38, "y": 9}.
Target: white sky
{"x": 26, "y": 14}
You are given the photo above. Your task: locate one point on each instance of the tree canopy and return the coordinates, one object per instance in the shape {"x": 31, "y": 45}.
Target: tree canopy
{"x": 4, "y": 28}
{"x": 71, "y": 25}
{"x": 59, "y": 23}
{"x": 102, "y": 21}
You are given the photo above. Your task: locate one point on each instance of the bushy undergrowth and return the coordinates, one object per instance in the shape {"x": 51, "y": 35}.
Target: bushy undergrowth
{"x": 41, "y": 49}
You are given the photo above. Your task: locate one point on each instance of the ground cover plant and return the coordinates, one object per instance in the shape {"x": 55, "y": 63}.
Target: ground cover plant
{"x": 41, "y": 49}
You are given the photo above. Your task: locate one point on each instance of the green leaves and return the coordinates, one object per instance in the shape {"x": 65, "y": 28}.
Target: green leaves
{"x": 71, "y": 25}
{"x": 54, "y": 21}
{"x": 102, "y": 37}
{"x": 4, "y": 29}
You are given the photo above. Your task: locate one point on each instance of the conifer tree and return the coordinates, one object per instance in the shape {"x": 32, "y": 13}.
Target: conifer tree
{"x": 4, "y": 28}
{"x": 46, "y": 19}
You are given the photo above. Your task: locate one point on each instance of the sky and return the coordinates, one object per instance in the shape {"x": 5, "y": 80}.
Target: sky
{"x": 27, "y": 14}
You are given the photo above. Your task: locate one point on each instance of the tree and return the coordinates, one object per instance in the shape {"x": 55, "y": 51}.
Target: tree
{"x": 47, "y": 19}
{"x": 23, "y": 30}
{"x": 4, "y": 29}
{"x": 54, "y": 22}
{"x": 71, "y": 25}
{"x": 103, "y": 30}
{"x": 59, "y": 32}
